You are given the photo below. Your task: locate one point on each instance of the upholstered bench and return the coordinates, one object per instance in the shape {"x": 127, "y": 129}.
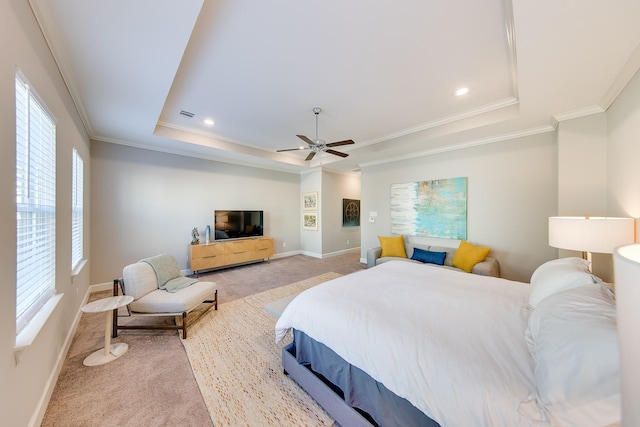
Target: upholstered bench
{"x": 140, "y": 281}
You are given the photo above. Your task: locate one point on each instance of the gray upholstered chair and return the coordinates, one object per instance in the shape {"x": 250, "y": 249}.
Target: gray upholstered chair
{"x": 146, "y": 283}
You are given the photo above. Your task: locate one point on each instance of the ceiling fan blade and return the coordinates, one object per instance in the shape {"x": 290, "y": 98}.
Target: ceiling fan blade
{"x": 337, "y": 144}
{"x": 310, "y": 156}
{"x": 305, "y": 139}
{"x": 293, "y": 149}
{"x": 337, "y": 153}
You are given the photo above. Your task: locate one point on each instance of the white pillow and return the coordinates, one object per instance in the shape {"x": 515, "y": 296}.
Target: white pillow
{"x": 559, "y": 275}
{"x": 573, "y": 339}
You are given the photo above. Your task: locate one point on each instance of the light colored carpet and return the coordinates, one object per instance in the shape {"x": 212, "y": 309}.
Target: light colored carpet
{"x": 237, "y": 364}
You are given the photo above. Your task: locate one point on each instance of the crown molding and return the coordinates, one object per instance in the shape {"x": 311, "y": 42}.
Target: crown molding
{"x": 629, "y": 69}
{"x": 580, "y": 112}
{"x": 510, "y": 28}
{"x": 445, "y": 120}
{"x": 202, "y": 156}
{"x": 51, "y": 33}
{"x": 200, "y": 132}
{"x": 464, "y": 145}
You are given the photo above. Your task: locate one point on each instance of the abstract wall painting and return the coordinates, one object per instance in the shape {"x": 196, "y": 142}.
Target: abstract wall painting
{"x": 436, "y": 208}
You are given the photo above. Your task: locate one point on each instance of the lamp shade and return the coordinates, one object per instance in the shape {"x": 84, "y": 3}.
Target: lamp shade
{"x": 626, "y": 267}
{"x": 590, "y": 234}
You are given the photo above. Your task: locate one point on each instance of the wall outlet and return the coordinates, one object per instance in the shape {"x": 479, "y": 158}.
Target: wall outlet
{"x": 284, "y": 244}
{"x": 347, "y": 242}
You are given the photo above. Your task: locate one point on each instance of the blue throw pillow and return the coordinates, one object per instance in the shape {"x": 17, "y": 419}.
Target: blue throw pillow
{"x": 428, "y": 256}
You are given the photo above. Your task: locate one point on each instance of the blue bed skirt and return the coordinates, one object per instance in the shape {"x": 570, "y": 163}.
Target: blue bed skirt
{"x": 370, "y": 398}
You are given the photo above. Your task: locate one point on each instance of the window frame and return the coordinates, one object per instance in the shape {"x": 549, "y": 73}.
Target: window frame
{"x": 36, "y": 209}
{"x": 77, "y": 212}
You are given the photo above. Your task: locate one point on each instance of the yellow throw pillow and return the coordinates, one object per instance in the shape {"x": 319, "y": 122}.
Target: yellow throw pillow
{"x": 468, "y": 255}
{"x": 392, "y": 246}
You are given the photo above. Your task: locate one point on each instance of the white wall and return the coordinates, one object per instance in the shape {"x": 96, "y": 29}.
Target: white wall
{"x": 512, "y": 190}
{"x": 623, "y": 159}
{"x": 147, "y": 202}
{"x": 311, "y": 240}
{"x": 26, "y": 385}
{"x": 582, "y": 167}
{"x": 582, "y": 177}
{"x": 335, "y": 187}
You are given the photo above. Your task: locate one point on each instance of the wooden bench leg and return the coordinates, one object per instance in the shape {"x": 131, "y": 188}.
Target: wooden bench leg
{"x": 184, "y": 326}
{"x": 114, "y": 324}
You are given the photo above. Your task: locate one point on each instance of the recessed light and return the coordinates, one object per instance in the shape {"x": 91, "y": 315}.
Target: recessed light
{"x": 462, "y": 91}
{"x": 208, "y": 122}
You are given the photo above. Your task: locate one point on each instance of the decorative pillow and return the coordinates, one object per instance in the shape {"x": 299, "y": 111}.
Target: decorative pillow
{"x": 469, "y": 255}
{"x": 428, "y": 256}
{"x": 559, "y": 275}
{"x": 449, "y": 251}
{"x": 392, "y": 246}
{"x": 573, "y": 339}
{"x": 410, "y": 246}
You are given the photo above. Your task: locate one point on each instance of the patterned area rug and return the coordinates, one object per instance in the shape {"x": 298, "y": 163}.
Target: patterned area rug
{"x": 237, "y": 364}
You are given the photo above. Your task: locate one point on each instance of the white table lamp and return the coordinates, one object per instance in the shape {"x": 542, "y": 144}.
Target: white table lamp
{"x": 626, "y": 267}
{"x": 590, "y": 234}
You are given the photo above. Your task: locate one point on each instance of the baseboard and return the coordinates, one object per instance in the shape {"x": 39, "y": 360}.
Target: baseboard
{"x": 342, "y": 252}
{"x": 286, "y": 254}
{"x": 100, "y": 287}
{"x": 43, "y": 404}
{"x": 311, "y": 254}
{"x": 331, "y": 254}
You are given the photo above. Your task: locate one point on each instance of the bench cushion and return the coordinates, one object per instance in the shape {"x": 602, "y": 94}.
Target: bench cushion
{"x": 139, "y": 279}
{"x": 164, "y": 302}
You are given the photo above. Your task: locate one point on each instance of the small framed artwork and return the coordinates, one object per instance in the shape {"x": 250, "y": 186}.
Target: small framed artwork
{"x": 310, "y": 201}
{"x": 310, "y": 221}
{"x": 350, "y": 213}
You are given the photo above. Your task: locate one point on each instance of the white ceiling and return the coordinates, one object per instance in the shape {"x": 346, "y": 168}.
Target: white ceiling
{"x": 384, "y": 73}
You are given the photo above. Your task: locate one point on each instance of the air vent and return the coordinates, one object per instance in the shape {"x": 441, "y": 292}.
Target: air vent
{"x": 186, "y": 113}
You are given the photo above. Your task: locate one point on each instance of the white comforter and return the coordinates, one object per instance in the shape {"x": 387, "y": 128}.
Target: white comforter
{"x": 451, "y": 343}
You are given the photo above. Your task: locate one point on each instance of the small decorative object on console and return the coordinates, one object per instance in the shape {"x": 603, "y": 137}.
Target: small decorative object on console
{"x": 195, "y": 236}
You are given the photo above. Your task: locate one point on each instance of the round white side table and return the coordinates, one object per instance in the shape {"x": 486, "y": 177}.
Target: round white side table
{"x": 110, "y": 351}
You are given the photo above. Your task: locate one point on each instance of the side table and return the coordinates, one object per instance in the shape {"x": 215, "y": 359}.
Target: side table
{"x": 110, "y": 351}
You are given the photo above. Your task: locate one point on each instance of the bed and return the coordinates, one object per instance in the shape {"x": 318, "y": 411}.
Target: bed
{"x": 406, "y": 344}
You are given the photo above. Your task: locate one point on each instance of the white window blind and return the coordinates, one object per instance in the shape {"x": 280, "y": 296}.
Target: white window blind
{"x": 77, "y": 207}
{"x": 35, "y": 204}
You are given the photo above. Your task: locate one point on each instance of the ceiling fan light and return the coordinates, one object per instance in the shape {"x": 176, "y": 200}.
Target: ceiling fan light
{"x": 318, "y": 146}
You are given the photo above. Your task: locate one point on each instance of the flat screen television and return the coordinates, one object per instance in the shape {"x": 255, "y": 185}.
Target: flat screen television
{"x": 237, "y": 224}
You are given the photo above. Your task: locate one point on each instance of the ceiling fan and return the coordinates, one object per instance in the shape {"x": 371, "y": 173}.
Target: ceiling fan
{"x": 318, "y": 145}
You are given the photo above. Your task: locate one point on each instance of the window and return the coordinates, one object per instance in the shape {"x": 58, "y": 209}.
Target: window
{"x": 77, "y": 206}
{"x": 35, "y": 204}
